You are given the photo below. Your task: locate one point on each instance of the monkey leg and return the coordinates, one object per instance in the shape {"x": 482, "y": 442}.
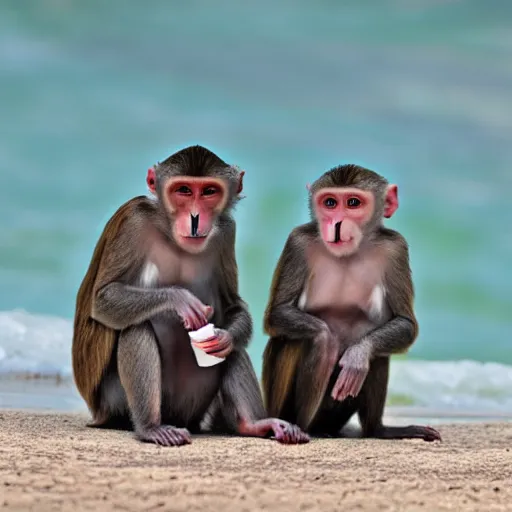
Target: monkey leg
{"x": 243, "y": 407}
{"x": 112, "y": 411}
{"x": 314, "y": 371}
{"x": 372, "y": 402}
{"x": 139, "y": 369}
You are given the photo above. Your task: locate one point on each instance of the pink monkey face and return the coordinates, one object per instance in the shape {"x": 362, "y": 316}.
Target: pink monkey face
{"x": 194, "y": 203}
{"x": 341, "y": 215}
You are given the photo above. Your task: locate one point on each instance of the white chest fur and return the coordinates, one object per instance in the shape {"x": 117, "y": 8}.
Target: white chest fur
{"x": 149, "y": 275}
{"x": 376, "y": 302}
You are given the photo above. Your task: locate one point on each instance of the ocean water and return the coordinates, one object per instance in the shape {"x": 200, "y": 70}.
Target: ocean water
{"x": 91, "y": 94}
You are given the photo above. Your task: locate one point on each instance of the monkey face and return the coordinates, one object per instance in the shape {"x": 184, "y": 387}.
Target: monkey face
{"x": 194, "y": 204}
{"x": 342, "y": 214}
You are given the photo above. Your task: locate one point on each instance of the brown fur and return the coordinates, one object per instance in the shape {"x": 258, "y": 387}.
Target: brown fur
{"x": 93, "y": 342}
{"x": 322, "y": 307}
{"x": 132, "y": 358}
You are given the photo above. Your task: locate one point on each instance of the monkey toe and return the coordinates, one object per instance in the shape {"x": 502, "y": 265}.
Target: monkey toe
{"x": 430, "y": 434}
{"x": 298, "y": 436}
{"x": 165, "y": 435}
{"x": 290, "y": 434}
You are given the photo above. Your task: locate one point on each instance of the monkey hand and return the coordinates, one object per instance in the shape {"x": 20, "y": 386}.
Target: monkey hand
{"x": 355, "y": 364}
{"x": 220, "y": 346}
{"x": 193, "y": 313}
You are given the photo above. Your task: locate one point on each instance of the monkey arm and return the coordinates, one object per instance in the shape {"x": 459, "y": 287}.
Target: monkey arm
{"x": 399, "y": 333}
{"x": 283, "y": 316}
{"x": 117, "y": 303}
{"x": 236, "y": 317}
{"x": 395, "y": 336}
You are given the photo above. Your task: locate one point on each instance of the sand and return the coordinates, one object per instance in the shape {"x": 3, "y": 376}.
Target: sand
{"x": 52, "y": 462}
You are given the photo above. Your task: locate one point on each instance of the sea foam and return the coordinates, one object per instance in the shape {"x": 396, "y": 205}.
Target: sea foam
{"x": 40, "y": 346}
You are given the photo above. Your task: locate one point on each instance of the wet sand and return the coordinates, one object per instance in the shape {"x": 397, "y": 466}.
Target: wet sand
{"x": 51, "y": 462}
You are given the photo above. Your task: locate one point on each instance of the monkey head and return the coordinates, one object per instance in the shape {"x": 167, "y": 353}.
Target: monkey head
{"x": 194, "y": 187}
{"x": 348, "y": 204}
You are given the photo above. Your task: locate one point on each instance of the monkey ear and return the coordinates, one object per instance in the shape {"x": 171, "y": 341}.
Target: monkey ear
{"x": 151, "y": 180}
{"x": 308, "y": 187}
{"x": 240, "y": 182}
{"x": 391, "y": 203}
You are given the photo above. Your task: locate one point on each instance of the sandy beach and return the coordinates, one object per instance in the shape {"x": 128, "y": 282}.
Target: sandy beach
{"x": 51, "y": 462}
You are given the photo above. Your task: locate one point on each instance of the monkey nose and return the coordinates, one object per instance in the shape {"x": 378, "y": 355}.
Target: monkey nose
{"x": 337, "y": 228}
{"x": 194, "y": 224}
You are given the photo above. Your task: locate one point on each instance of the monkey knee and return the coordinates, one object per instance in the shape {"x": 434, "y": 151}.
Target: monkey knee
{"x": 137, "y": 345}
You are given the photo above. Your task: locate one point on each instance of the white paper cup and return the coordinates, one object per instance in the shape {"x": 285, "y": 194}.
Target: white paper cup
{"x": 205, "y": 333}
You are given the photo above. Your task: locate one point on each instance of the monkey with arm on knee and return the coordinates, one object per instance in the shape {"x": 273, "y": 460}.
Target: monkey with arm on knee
{"x": 161, "y": 268}
{"x": 341, "y": 303}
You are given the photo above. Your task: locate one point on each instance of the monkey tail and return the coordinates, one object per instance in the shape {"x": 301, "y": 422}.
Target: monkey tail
{"x": 280, "y": 361}
{"x": 93, "y": 342}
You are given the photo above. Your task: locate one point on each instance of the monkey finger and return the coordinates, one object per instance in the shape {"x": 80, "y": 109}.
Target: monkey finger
{"x": 222, "y": 353}
{"x": 219, "y": 345}
{"x": 357, "y": 382}
{"x": 358, "y": 385}
{"x": 196, "y": 319}
{"x": 339, "y": 391}
{"x": 221, "y": 350}
{"x": 352, "y": 383}
{"x": 338, "y": 385}
{"x": 209, "y": 312}
{"x": 351, "y": 378}
{"x": 187, "y": 319}
{"x": 206, "y": 344}
{"x": 202, "y": 311}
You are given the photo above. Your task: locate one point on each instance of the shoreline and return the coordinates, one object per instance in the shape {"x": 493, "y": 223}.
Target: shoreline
{"x": 52, "y": 462}
{"x": 60, "y": 395}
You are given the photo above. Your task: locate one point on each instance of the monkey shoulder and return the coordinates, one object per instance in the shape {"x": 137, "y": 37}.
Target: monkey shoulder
{"x": 396, "y": 249}
{"x": 301, "y": 236}
{"x": 131, "y": 217}
{"x": 393, "y": 240}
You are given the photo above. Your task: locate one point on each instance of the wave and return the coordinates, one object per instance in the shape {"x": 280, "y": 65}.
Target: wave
{"x": 38, "y": 346}
{"x": 35, "y": 345}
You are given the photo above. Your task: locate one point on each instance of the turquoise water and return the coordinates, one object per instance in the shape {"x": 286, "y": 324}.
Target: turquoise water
{"x": 93, "y": 93}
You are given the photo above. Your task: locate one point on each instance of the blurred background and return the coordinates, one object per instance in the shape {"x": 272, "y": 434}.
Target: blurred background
{"x": 93, "y": 93}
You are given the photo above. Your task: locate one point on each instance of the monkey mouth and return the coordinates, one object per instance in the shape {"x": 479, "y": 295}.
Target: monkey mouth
{"x": 197, "y": 238}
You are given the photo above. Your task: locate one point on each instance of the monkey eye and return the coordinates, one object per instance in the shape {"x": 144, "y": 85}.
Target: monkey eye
{"x": 184, "y": 190}
{"x": 330, "y": 202}
{"x": 210, "y": 191}
{"x": 353, "y": 202}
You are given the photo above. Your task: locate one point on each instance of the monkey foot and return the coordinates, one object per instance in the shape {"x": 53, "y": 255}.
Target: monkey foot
{"x": 165, "y": 435}
{"x": 411, "y": 432}
{"x": 284, "y": 432}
